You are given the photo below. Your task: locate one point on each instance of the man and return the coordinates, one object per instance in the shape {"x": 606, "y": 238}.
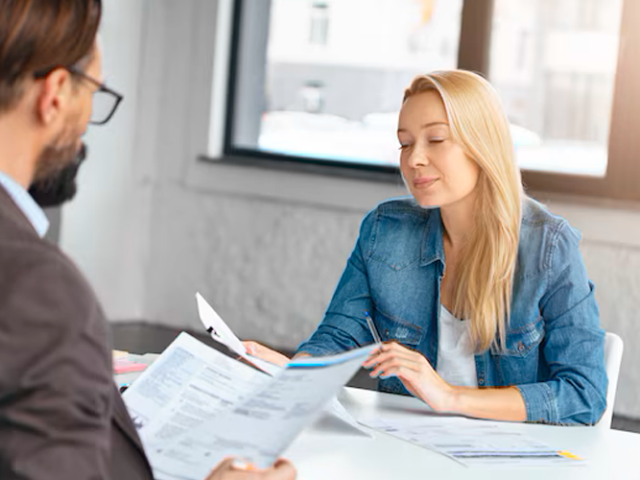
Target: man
{"x": 61, "y": 417}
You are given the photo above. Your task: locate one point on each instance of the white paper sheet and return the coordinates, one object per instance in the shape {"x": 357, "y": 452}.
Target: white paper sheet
{"x": 264, "y": 424}
{"x": 472, "y": 443}
{"x": 217, "y": 328}
{"x": 220, "y": 332}
{"x": 189, "y": 384}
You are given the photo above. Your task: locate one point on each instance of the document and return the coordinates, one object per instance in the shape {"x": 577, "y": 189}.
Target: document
{"x": 189, "y": 384}
{"x": 262, "y": 424}
{"x": 222, "y": 333}
{"x": 473, "y": 443}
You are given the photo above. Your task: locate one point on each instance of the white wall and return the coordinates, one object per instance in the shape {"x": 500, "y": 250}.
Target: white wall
{"x": 265, "y": 247}
{"x": 104, "y": 228}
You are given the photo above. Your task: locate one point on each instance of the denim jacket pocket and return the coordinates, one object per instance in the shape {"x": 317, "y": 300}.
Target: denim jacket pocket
{"x": 395, "y": 329}
{"x": 521, "y": 341}
{"x": 400, "y": 246}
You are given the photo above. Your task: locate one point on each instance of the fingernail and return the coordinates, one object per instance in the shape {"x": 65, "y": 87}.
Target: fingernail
{"x": 242, "y": 464}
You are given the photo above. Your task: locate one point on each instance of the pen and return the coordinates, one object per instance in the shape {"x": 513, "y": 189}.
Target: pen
{"x": 372, "y": 328}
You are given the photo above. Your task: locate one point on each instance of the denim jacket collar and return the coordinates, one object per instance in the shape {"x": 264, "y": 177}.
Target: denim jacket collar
{"x": 432, "y": 248}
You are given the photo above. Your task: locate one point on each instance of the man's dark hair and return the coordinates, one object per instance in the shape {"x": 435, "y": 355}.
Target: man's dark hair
{"x": 39, "y": 35}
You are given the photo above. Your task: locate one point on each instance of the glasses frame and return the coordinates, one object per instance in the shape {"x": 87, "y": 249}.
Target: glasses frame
{"x": 101, "y": 88}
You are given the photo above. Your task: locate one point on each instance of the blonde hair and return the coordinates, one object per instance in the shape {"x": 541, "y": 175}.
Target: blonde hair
{"x": 483, "y": 289}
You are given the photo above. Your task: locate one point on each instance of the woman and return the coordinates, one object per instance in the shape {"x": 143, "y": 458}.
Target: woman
{"x": 479, "y": 293}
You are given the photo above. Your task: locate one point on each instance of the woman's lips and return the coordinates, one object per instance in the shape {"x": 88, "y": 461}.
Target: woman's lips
{"x": 424, "y": 182}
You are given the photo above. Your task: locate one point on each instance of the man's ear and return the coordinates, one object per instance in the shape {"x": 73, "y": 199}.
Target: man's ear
{"x": 53, "y": 95}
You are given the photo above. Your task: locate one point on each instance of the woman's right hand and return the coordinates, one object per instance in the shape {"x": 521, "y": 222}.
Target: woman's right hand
{"x": 230, "y": 470}
{"x": 265, "y": 353}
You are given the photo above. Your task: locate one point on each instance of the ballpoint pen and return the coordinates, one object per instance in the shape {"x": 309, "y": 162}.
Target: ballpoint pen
{"x": 372, "y": 328}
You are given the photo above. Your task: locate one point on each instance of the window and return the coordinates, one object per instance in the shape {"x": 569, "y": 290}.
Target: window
{"x": 321, "y": 82}
{"x": 332, "y": 86}
{"x": 554, "y": 64}
{"x": 319, "y": 24}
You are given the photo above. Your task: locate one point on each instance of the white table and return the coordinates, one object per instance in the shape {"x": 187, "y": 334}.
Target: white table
{"x": 330, "y": 455}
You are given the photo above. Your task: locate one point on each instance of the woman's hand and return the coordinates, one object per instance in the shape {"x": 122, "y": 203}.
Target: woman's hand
{"x": 230, "y": 470}
{"x": 265, "y": 353}
{"x": 415, "y": 372}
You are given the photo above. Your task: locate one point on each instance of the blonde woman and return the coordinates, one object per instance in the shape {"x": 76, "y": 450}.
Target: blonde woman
{"x": 479, "y": 293}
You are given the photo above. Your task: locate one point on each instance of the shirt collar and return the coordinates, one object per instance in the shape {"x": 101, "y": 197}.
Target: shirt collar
{"x": 26, "y": 204}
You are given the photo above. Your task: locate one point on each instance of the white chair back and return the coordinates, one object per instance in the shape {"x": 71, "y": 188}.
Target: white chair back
{"x": 613, "y": 348}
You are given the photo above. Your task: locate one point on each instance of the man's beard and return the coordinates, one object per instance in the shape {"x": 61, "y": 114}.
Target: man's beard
{"x": 55, "y": 182}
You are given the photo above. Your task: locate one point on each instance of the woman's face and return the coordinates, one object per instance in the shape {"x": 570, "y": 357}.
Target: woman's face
{"x": 435, "y": 168}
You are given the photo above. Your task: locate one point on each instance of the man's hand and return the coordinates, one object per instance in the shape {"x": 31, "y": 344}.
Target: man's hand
{"x": 229, "y": 470}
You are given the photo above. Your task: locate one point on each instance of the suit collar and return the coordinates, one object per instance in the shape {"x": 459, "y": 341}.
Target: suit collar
{"x": 10, "y": 211}
{"x": 27, "y": 205}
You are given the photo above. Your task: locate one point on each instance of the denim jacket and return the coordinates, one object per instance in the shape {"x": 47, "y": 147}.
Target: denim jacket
{"x": 554, "y": 351}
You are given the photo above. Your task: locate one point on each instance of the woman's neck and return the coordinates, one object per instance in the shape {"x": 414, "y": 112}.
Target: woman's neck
{"x": 458, "y": 221}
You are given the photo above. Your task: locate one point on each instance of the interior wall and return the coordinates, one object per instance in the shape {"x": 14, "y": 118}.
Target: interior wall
{"x": 105, "y": 229}
{"x": 153, "y": 224}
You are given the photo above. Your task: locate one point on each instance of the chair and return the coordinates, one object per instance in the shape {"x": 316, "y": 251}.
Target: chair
{"x": 613, "y": 348}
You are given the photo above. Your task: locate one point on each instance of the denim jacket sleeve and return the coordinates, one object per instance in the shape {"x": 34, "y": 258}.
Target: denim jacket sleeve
{"x": 344, "y": 326}
{"x": 574, "y": 342}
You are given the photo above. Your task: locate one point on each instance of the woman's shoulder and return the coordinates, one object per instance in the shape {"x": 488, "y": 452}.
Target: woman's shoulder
{"x": 537, "y": 218}
{"x": 546, "y": 233}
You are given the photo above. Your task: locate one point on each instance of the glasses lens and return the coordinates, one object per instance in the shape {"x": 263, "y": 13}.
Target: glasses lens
{"x": 103, "y": 106}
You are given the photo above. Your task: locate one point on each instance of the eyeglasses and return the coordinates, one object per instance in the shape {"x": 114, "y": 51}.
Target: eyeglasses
{"x": 105, "y": 100}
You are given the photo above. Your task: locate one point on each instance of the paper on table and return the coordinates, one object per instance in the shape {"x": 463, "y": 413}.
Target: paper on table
{"x": 263, "y": 425}
{"x": 473, "y": 442}
{"x": 189, "y": 384}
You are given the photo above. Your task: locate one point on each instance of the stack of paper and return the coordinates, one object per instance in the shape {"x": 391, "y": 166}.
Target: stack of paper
{"x": 473, "y": 442}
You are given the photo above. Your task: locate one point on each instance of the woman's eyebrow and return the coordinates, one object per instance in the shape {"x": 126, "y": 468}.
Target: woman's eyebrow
{"x": 426, "y": 125}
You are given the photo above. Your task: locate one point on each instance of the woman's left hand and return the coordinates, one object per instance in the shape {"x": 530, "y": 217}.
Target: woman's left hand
{"x": 415, "y": 372}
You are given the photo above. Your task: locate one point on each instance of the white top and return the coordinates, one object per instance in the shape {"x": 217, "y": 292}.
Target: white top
{"x": 456, "y": 358}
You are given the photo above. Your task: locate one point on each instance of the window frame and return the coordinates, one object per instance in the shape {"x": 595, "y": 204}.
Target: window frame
{"x": 622, "y": 173}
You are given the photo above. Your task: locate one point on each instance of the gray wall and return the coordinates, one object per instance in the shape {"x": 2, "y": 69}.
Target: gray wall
{"x": 265, "y": 247}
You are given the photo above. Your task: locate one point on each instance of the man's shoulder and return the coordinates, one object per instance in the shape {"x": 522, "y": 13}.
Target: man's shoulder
{"x": 35, "y": 272}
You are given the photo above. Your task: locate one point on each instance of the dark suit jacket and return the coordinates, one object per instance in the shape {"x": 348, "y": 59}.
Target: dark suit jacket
{"x": 61, "y": 416}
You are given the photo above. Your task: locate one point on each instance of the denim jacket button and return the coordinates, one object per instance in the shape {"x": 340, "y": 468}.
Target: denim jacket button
{"x": 520, "y": 346}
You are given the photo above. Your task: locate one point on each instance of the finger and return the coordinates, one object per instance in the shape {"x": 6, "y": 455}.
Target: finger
{"x": 385, "y": 367}
{"x": 282, "y": 470}
{"x": 250, "y": 346}
{"x": 383, "y": 357}
{"x": 404, "y": 372}
{"x": 223, "y": 468}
